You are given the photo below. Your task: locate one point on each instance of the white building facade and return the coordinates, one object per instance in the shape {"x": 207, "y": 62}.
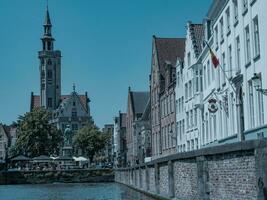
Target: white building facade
{"x": 234, "y": 29}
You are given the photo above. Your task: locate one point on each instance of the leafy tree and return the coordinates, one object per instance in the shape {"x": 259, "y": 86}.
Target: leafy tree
{"x": 36, "y": 136}
{"x": 90, "y": 140}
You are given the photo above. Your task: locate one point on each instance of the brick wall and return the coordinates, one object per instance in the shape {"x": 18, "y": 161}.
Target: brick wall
{"x": 231, "y": 171}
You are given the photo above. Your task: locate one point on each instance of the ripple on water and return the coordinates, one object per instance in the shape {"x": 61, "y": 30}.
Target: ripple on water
{"x": 61, "y": 191}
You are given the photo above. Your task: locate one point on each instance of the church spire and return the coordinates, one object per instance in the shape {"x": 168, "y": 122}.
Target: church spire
{"x": 48, "y": 40}
{"x": 47, "y": 18}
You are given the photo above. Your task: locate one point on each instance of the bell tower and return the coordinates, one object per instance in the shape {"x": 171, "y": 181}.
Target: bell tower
{"x": 50, "y": 68}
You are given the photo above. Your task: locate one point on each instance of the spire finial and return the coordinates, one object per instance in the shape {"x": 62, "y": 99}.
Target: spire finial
{"x": 74, "y": 87}
{"x": 47, "y": 17}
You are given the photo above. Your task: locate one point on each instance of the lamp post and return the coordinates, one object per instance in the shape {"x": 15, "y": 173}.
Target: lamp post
{"x": 6, "y": 157}
{"x": 256, "y": 81}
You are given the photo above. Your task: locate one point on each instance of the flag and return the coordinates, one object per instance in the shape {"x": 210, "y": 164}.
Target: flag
{"x": 214, "y": 59}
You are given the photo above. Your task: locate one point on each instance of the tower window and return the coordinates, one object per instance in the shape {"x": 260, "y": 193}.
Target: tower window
{"x": 74, "y": 103}
{"x": 49, "y": 62}
{"x": 49, "y": 46}
{"x": 49, "y": 102}
{"x": 49, "y": 74}
{"x": 43, "y": 74}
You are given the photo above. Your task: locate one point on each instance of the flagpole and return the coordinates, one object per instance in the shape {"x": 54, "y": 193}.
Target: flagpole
{"x": 239, "y": 100}
{"x": 222, "y": 69}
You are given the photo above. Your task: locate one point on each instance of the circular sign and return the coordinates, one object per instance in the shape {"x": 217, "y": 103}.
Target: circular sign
{"x": 212, "y": 107}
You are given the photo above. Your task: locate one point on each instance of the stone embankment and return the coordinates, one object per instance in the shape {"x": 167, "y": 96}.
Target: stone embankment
{"x": 230, "y": 171}
{"x": 63, "y": 176}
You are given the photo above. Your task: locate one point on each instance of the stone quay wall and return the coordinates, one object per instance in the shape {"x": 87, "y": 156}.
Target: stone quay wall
{"x": 62, "y": 176}
{"x": 230, "y": 171}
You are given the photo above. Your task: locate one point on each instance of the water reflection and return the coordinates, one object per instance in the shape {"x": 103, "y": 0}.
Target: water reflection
{"x": 58, "y": 191}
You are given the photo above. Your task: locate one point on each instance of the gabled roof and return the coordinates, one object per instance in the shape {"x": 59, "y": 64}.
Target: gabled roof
{"x": 36, "y": 101}
{"x": 169, "y": 49}
{"x": 139, "y": 101}
{"x": 6, "y": 130}
{"x": 147, "y": 111}
{"x": 197, "y": 36}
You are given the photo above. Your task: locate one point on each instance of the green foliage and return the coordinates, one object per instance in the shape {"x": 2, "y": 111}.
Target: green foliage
{"x": 36, "y": 135}
{"x": 90, "y": 140}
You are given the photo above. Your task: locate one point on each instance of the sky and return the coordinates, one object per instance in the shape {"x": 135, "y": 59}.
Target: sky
{"x": 105, "y": 44}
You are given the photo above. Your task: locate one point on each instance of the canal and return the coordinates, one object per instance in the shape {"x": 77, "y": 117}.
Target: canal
{"x": 60, "y": 191}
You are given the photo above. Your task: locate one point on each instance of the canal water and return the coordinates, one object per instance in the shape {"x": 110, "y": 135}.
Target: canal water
{"x": 60, "y": 191}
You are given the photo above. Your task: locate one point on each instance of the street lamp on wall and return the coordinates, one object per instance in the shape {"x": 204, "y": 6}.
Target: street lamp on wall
{"x": 256, "y": 82}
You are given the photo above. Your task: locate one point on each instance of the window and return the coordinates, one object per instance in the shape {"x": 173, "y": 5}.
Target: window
{"x": 223, "y": 68}
{"x": 74, "y": 103}
{"x": 201, "y": 80}
{"x": 163, "y": 138}
{"x": 179, "y": 130}
{"x": 192, "y": 145}
{"x": 238, "y": 50}
{"x": 167, "y": 102}
{"x": 235, "y": 4}
{"x": 219, "y": 78}
{"x": 260, "y": 110}
{"x": 222, "y": 29}
{"x": 74, "y": 127}
{"x": 216, "y": 37}
{"x": 208, "y": 72}
{"x": 43, "y": 74}
{"x": 232, "y": 115}
{"x": 74, "y": 113}
{"x": 228, "y": 20}
{"x": 49, "y": 62}
{"x": 205, "y": 76}
{"x": 188, "y": 145}
{"x": 196, "y": 81}
{"x": 187, "y": 120}
{"x": 207, "y": 127}
{"x": 214, "y": 127}
{"x": 189, "y": 59}
{"x": 247, "y": 42}
{"x": 190, "y": 89}
{"x": 191, "y": 118}
{"x": 195, "y": 113}
{"x": 49, "y": 74}
{"x": 178, "y": 79}
{"x": 256, "y": 36}
{"x": 210, "y": 127}
{"x": 172, "y": 134}
{"x": 186, "y": 91}
{"x": 182, "y": 104}
{"x": 212, "y": 71}
{"x": 230, "y": 60}
{"x": 251, "y": 104}
{"x": 49, "y": 102}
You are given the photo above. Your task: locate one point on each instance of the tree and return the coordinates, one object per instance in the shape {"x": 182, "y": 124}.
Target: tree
{"x": 90, "y": 140}
{"x": 36, "y": 136}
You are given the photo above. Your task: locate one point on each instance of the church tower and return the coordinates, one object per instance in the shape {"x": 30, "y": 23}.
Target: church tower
{"x": 50, "y": 69}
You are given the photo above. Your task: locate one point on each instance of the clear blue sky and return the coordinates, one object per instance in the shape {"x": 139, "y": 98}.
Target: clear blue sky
{"x": 106, "y": 47}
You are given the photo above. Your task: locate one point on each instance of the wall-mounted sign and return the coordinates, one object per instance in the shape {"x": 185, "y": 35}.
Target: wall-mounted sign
{"x": 212, "y": 107}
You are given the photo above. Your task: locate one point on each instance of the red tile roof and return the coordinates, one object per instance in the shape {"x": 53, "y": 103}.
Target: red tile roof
{"x": 197, "y": 34}
{"x": 36, "y": 101}
{"x": 169, "y": 49}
